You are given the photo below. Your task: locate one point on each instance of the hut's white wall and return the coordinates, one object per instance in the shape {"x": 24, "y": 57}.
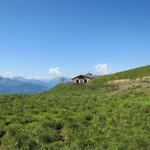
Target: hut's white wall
{"x": 78, "y": 80}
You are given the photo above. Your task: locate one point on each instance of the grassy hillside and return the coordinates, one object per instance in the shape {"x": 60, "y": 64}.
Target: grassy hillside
{"x": 85, "y": 117}
{"x": 129, "y": 74}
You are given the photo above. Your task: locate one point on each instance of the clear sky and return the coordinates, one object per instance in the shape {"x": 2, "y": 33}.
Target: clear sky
{"x": 73, "y": 36}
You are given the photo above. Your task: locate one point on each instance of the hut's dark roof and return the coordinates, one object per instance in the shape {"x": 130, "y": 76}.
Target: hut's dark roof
{"x": 88, "y": 75}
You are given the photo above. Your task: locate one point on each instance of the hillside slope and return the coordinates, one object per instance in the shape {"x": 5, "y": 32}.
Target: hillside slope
{"x": 85, "y": 117}
{"x": 129, "y": 74}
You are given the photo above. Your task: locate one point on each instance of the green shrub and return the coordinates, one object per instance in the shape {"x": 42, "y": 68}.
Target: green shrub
{"x": 22, "y": 140}
{"x": 53, "y": 124}
{"x": 33, "y": 145}
{"x": 49, "y": 136}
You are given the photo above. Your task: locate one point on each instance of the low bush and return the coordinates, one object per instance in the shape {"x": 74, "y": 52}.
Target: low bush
{"x": 49, "y": 136}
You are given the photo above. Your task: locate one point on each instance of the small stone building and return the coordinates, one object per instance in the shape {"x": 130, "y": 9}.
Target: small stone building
{"x": 83, "y": 78}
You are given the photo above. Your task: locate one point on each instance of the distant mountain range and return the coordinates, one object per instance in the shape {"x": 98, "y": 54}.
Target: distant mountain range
{"x": 20, "y": 85}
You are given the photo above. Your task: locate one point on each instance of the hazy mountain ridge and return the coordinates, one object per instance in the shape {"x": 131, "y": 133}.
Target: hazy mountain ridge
{"x": 22, "y": 85}
{"x": 9, "y": 86}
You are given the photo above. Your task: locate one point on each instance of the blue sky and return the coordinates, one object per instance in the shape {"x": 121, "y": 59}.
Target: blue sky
{"x": 45, "y": 38}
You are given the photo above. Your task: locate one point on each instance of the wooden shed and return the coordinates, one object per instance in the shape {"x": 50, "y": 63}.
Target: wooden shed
{"x": 83, "y": 78}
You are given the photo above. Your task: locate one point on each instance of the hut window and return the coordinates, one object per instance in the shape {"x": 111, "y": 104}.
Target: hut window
{"x": 77, "y": 81}
{"x": 85, "y": 80}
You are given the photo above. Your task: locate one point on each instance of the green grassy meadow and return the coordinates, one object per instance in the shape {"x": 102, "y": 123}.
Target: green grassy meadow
{"x": 95, "y": 116}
